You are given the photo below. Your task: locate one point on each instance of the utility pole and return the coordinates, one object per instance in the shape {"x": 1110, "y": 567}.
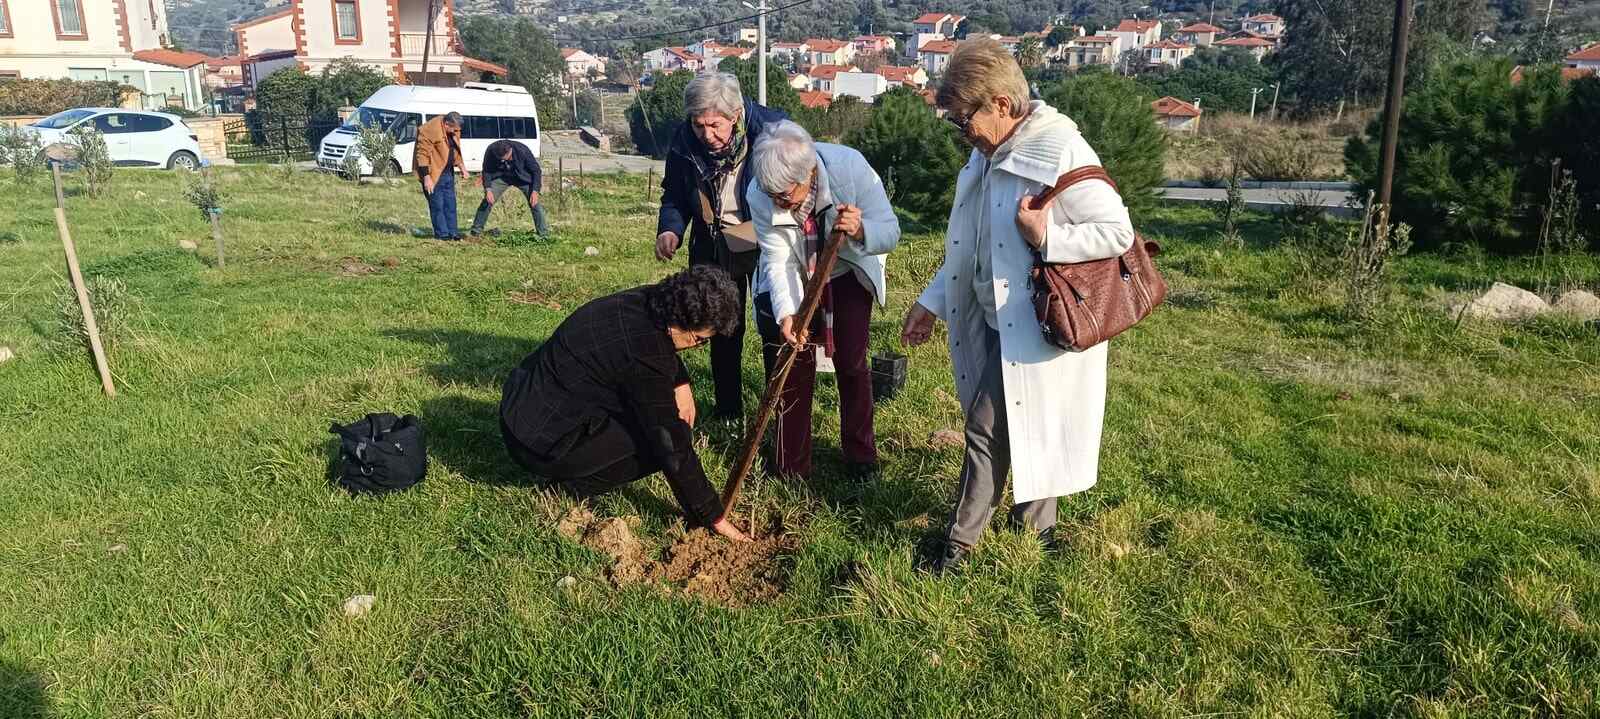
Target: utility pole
{"x": 761, "y": 50}
{"x": 1213, "y": 19}
{"x": 1273, "y": 117}
{"x": 1547, "y": 10}
{"x": 1392, "y": 105}
{"x": 1253, "y": 93}
{"x": 427, "y": 42}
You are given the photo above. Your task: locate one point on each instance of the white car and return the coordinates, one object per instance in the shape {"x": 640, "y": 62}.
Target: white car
{"x": 134, "y": 138}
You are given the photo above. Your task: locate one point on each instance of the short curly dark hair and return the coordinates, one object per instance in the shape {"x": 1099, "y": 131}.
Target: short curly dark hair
{"x": 701, "y": 297}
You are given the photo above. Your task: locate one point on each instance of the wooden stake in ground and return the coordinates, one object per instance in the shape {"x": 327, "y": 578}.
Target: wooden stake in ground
{"x": 77, "y": 285}
{"x": 215, "y": 215}
{"x": 786, "y": 357}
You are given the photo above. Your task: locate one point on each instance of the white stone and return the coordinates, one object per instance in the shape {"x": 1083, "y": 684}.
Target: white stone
{"x": 1506, "y": 303}
{"x": 6, "y": 355}
{"x": 591, "y": 251}
{"x": 566, "y": 582}
{"x": 1578, "y": 303}
{"x": 117, "y": 548}
{"x": 187, "y": 245}
{"x": 358, "y": 605}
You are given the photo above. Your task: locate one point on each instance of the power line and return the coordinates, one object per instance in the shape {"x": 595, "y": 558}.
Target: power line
{"x": 670, "y": 33}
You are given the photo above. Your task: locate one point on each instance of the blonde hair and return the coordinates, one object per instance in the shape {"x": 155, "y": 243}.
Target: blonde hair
{"x": 981, "y": 69}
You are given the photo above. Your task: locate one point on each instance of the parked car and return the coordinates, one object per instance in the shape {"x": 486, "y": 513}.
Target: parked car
{"x": 489, "y": 112}
{"x": 134, "y": 138}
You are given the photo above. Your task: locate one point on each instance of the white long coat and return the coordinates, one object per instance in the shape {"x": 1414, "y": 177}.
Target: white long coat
{"x": 1055, "y": 400}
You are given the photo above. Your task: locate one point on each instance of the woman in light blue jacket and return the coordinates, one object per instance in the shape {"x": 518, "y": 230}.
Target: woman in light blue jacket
{"x": 803, "y": 191}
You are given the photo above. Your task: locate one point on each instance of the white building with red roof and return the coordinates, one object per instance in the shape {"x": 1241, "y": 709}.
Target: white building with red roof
{"x": 1199, "y": 34}
{"x": 830, "y": 52}
{"x": 938, "y": 23}
{"x": 822, "y": 76}
{"x": 579, "y": 63}
{"x": 668, "y": 59}
{"x": 1586, "y": 59}
{"x": 935, "y": 55}
{"x": 1136, "y": 34}
{"x": 1264, "y": 24}
{"x": 1257, "y": 47}
{"x": 915, "y": 76}
{"x": 1093, "y": 50}
{"x": 1175, "y": 114}
{"x": 1168, "y": 52}
{"x": 870, "y": 44}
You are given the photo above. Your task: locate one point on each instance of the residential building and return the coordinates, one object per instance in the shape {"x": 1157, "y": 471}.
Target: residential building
{"x": 121, "y": 40}
{"x": 792, "y": 53}
{"x": 935, "y": 55}
{"x": 816, "y": 99}
{"x": 822, "y": 76}
{"x": 871, "y": 44}
{"x": 579, "y": 63}
{"x": 714, "y": 60}
{"x": 1168, "y": 52}
{"x": 390, "y": 35}
{"x": 1271, "y": 26}
{"x": 1199, "y": 34}
{"x": 800, "y": 81}
{"x": 914, "y": 46}
{"x": 1257, "y": 47}
{"x": 668, "y": 59}
{"x": 915, "y": 76}
{"x": 1175, "y": 114}
{"x": 749, "y": 35}
{"x": 1093, "y": 50}
{"x": 938, "y": 23}
{"x": 224, "y": 72}
{"x": 706, "y": 47}
{"x": 866, "y": 86}
{"x": 1009, "y": 42}
{"x": 1136, "y": 33}
{"x": 1586, "y": 59}
{"x": 1568, "y": 74}
{"x": 830, "y": 52}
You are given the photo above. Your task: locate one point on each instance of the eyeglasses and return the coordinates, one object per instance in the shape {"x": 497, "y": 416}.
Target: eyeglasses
{"x": 962, "y": 123}
{"x": 700, "y": 341}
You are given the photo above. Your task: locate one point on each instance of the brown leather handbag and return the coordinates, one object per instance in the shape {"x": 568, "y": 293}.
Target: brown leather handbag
{"x": 1082, "y": 304}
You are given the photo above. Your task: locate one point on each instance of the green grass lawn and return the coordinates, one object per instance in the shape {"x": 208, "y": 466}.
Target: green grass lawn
{"x": 1296, "y": 516}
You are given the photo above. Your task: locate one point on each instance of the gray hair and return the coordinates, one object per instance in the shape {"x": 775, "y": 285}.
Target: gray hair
{"x": 453, "y": 118}
{"x": 784, "y": 156}
{"x": 713, "y": 92}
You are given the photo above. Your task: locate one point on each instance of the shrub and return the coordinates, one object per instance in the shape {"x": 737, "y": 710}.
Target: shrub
{"x": 1284, "y": 160}
{"x": 1114, "y": 115}
{"x": 656, "y": 113}
{"x": 913, "y": 150}
{"x": 201, "y": 191}
{"x": 1367, "y": 258}
{"x": 48, "y": 97}
{"x": 377, "y": 145}
{"x": 22, "y": 149}
{"x": 94, "y": 158}
{"x": 1473, "y": 164}
{"x": 114, "y": 308}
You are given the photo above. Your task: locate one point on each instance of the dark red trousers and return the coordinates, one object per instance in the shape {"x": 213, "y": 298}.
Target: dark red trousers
{"x": 852, "y": 320}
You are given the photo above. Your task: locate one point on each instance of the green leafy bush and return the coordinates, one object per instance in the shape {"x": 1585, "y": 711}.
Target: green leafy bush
{"x": 47, "y": 97}
{"x": 1114, "y": 115}
{"x": 93, "y": 157}
{"x": 913, "y": 150}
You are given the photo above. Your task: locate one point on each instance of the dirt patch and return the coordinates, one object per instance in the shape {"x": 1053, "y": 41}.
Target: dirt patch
{"x": 698, "y": 564}
{"x": 529, "y": 297}
{"x": 355, "y": 267}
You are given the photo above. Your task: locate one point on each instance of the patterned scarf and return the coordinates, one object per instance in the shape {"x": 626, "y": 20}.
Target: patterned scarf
{"x": 732, "y": 155}
{"x": 811, "y": 226}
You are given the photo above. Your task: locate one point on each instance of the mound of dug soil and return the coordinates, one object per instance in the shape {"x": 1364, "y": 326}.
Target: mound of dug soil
{"x": 699, "y": 564}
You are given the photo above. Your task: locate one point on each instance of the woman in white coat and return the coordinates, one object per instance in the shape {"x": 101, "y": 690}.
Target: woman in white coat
{"x": 1029, "y": 407}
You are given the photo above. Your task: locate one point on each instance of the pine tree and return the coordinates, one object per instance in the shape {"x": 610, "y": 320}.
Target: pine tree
{"x": 913, "y": 150}
{"x": 1114, "y": 115}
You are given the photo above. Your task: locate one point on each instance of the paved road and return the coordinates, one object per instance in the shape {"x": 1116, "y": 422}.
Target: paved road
{"x": 1337, "y": 202}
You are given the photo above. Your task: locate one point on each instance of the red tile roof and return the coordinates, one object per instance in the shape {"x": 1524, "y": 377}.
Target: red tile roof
{"x": 684, "y": 54}
{"x": 819, "y": 45}
{"x": 486, "y": 66}
{"x": 172, "y": 58}
{"x": 1201, "y": 27}
{"x": 1568, "y": 74}
{"x": 896, "y": 73}
{"x": 736, "y": 51}
{"x": 1136, "y": 25}
{"x": 567, "y": 52}
{"x": 827, "y": 72}
{"x": 215, "y": 64}
{"x": 1170, "y": 45}
{"x": 931, "y": 18}
{"x": 939, "y": 47}
{"x": 1095, "y": 39}
{"x": 1264, "y": 17}
{"x": 815, "y": 99}
{"x": 1173, "y": 107}
{"x": 1592, "y": 52}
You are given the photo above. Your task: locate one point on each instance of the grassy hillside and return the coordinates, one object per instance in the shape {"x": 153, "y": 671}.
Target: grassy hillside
{"x": 1296, "y": 516}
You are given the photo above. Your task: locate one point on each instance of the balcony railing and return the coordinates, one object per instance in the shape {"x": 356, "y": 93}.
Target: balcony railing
{"x": 412, "y": 43}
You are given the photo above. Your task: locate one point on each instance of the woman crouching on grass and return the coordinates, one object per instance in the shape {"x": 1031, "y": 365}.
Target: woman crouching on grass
{"x": 606, "y": 400}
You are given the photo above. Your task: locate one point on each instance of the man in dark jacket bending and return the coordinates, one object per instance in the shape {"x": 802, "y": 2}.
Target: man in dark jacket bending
{"x": 703, "y": 192}
{"x": 509, "y": 164}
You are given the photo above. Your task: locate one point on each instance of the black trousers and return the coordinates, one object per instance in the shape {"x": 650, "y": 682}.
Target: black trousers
{"x": 727, "y": 353}
{"x": 600, "y": 461}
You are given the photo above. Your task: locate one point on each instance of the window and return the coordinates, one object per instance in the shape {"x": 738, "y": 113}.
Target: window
{"x": 346, "y": 22}
{"x": 518, "y": 128}
{"x": 69, "y": 19}
{"x": 10, "y": 75}
{"x": 480, "y": 128}
{"x": 405, "y": 128}
{"x": 5, "y": 19}
{"x": 86, "y": 73}
{"x": 115, "y": 123}
{"x": 148, "y": 123}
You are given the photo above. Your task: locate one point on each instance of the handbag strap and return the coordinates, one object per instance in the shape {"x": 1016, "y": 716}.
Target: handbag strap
{"x": 1087, "y": 172}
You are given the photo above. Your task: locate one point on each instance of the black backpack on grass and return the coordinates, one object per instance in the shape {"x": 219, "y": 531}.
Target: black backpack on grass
{"x": 379, "y": 454}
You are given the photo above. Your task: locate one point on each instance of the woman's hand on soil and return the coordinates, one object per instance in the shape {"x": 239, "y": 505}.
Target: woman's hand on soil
{"x": 728, "y": 531}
